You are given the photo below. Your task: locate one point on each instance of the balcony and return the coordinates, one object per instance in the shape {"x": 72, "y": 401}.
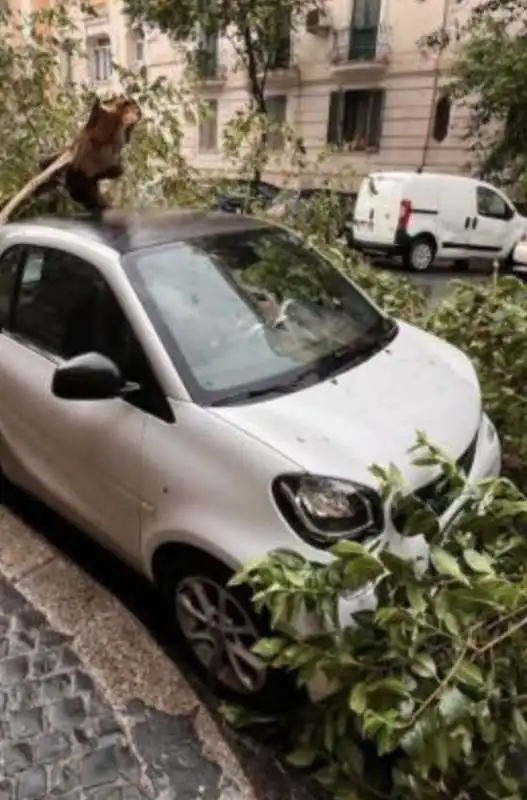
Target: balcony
{"x": 361, "y": 51}
{"x": 282, "y": 68}
{"x": 206, "y": 69}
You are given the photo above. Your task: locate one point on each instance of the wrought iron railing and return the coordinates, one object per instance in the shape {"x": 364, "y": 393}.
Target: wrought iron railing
{"x": 361, "y": 44}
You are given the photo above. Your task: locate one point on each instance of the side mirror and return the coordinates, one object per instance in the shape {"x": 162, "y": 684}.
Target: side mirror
{"x": 90, "y": 376}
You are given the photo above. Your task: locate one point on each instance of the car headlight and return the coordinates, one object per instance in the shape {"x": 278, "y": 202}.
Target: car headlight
{"x": 323, "y": 510}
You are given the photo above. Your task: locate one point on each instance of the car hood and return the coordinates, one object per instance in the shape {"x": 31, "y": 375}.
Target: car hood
{"x": 372, "y": 413}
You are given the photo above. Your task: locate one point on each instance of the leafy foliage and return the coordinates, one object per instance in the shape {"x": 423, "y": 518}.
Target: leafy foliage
{"x": 487, "y": 76}
{"x": 433, "y": 675}
{"x": 489, "y": 322}
{"x": 258, "y": 31}
{"x": 430, "y": 684}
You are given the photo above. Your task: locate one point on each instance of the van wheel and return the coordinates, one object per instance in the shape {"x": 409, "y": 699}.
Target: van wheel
{"x": 216, "y": 627}
{"x": 421, "y": 254}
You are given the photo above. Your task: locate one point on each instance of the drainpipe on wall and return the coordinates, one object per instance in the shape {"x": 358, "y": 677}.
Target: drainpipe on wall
{"x": 435, "y": 88}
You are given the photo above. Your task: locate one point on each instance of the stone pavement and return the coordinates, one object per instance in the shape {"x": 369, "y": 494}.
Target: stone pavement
{"x": 89, "y": 706}
{"x": 92, "y": 708}
{"x": 60, "y": 738}
{"x": 57, "y": 733}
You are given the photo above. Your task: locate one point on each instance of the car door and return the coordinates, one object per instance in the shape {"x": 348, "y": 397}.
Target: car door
{"x": 490, "y": 229}
{"x": 83, "y": 458}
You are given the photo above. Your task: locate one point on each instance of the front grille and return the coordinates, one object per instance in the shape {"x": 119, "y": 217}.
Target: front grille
{"x": 437, "y": 493}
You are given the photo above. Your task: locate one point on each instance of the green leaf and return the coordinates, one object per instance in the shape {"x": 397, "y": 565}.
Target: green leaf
{"x": 416, "y": 597}
{"x": 424, "y": 666}
{"x": 302, "y": 757}
{"x": 453, "y": 705}
{"x": 446, "y": 564}
{"x": 268, "y": 648}
{"x": 520, "y": 725}
{"x": 478, "y": 562}
{"x": 346, "y": 548}
{"x": 358, "y": 698}
{"x": 390, "y": 685}
{"x": 470, "y": 674}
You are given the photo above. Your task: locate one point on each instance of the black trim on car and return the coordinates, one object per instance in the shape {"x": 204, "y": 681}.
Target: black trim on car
{"x": 472, "y": 247}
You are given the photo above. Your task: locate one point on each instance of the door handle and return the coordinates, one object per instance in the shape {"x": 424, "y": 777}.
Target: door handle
{"x": 474, "y": 223}
{"x": 467, "y": 222}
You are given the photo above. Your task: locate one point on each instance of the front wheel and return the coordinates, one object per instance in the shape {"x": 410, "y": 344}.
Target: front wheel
{"x": 421, "y": 254}
{"x": 217, "y": 628}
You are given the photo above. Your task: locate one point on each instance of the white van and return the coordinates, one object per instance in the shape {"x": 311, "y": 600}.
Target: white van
{"x": 427, "y": 216}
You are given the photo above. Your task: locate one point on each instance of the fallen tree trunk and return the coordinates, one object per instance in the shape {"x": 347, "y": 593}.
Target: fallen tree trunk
{"x": 95, "y": 154}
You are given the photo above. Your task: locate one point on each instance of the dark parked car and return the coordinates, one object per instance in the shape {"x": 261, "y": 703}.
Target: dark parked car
{"x": 300, "y": 202}
{"x": 238, "y": 195}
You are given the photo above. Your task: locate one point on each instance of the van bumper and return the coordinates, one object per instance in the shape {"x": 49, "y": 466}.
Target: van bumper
{"x": 400, "y": 244}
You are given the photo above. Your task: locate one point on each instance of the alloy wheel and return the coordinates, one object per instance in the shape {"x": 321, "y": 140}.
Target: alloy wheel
{"x": 422, "y": 256}
{"x": 220, "y": 633}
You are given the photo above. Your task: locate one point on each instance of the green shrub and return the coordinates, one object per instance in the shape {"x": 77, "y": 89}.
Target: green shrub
{"x": 433, "y": 680}
{"x": 489, "y": 323}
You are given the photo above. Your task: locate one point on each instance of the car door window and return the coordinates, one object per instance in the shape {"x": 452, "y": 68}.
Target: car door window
{"x": 9, "y": 264}
{"x": 66, "y": 308}
{"x": 55, "y": 306}
{"x": 115, "y": 338}
{"x": 491, "y": 204}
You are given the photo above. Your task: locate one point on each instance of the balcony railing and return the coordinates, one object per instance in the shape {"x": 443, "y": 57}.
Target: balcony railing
{"x": 280, "y": 57}
{"x": 206, "y": 66}
{"x": 361, "y": 45}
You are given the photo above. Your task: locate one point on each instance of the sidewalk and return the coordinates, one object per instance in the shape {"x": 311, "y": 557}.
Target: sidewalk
{"x": 57, "y": 733}
{"x": 90, "y": 708}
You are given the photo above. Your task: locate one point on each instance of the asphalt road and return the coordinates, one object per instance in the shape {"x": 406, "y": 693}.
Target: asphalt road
{"x": 436, "y": 283}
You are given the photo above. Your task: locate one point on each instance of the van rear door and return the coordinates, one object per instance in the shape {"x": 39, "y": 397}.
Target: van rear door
{"x": 377, "y": 209}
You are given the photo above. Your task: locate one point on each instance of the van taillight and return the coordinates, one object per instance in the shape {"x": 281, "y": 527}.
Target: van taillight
{"x": 405, "y": 214}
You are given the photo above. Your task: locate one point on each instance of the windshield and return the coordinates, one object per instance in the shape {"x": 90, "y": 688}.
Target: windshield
{"x": 253, "y": 313}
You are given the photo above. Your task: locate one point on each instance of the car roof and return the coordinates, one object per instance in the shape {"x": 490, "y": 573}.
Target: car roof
{"x": 126, "y": 231}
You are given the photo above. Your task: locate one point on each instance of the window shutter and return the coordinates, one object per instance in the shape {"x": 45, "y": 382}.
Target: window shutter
{"x": 376, "y": 119}
{"x": 333, "y": 132}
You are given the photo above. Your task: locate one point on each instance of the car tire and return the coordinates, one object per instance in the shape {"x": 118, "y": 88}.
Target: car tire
{"x": 507, "y": 264}
{"x": 196, "y": 587}
{"x": 421, "y": 254}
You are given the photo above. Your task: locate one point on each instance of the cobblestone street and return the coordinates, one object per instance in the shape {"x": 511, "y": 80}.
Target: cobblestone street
{"x": 57, "y": 733}
{"x": 90, "y": 705}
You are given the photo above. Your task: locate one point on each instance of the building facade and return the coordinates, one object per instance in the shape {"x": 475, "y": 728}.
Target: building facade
{"x": 353, "y": 78}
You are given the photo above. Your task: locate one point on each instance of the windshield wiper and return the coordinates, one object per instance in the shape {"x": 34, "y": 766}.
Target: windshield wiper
{"x": 342, "y": 357}
{"x": 353, "y": 353}
{"x": 306, "y": 378}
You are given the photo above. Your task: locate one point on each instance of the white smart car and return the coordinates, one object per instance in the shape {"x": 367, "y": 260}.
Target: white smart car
{"x": 195, "y": 389}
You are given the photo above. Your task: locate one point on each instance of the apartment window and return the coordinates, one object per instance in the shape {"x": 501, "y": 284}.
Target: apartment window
{"x": 355, "y": 119}
{"x": 139, "y": 47}
{"x": 279, "y": 56}
{"x": 442, "y": 113}
{"x": 135, "y": 46}
{"x": 276, "y": 113}
{"x": 207, "y": 55}
{"x": 208, "y": 127}
{"x": 364, "y": 29}
{"x": 100, "y": 56}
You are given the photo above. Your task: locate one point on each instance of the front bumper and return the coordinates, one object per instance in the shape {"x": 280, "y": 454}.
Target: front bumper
{"x": 486, "y": 464}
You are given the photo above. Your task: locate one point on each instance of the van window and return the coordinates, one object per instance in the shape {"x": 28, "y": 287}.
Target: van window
{"x": 491, "y": 204}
